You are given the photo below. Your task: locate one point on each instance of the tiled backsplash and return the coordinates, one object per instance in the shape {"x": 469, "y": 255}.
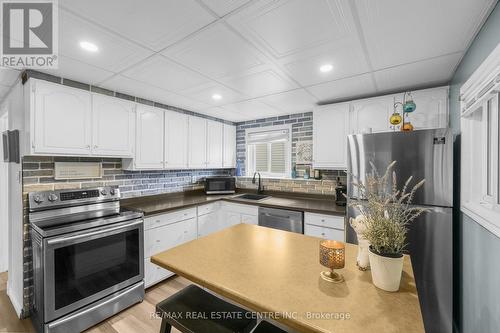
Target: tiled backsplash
{"x": 38, "y": 175}
{"x": 326, "y": 185}
{"x": 302, "y": 130}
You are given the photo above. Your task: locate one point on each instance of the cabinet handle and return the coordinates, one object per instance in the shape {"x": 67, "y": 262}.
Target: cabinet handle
{"x": 158, "y": 240}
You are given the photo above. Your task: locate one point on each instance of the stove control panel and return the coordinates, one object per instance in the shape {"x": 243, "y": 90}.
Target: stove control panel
{"x": 46, "y": 199}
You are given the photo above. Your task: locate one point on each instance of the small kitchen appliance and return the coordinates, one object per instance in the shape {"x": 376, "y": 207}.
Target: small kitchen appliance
{"x": 220, "y": 185}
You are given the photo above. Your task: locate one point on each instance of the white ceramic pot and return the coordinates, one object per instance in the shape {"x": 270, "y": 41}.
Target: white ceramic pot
{"x": 386, "y": 271}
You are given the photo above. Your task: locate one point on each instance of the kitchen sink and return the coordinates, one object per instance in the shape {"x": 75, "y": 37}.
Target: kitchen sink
{"x": 254, "y": 197}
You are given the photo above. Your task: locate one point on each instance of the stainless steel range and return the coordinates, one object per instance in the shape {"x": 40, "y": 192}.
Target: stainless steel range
{"x": 87, "y": 256}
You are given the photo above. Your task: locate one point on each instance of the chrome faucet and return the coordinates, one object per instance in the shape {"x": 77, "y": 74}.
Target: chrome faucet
{"x": 260, "y": 188}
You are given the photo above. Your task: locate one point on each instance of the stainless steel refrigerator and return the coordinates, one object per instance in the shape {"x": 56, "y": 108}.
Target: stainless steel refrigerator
{"x": 424, "y": 154}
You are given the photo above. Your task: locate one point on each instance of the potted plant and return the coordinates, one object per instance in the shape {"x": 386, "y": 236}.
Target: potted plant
{"x": 387, "y": 213}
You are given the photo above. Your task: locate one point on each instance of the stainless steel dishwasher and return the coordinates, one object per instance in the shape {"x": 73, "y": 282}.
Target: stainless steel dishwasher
{"x": 282, "y": 219}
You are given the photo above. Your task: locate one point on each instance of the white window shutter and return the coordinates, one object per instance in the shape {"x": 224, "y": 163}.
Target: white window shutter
{"x": 278, "y": 157}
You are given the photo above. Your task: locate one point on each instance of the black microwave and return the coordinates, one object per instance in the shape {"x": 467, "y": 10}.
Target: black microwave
{"x": 220, "y": 185}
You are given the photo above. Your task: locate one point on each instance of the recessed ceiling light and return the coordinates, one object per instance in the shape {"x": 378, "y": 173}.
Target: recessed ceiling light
{"x": 326, "y": 68}
{"x": 216, "y": 97}
{"x": 88, "y": 46}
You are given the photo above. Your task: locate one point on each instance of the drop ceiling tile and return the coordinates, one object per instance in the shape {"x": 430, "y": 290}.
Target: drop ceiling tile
{"x": 153, "y": 23}
{"x": 223, "y": 7}
{"x": 166, "y": 74}
{"x": 353, "y": 87}
{"x": 418, "y": 74}
{"x": 346, "y": 57}
{"x": 399, "y": 32}
{"x": 294, "y": 101}
{"x": 8, "y": 76}
{"x": 252, "y": 110}
{"x": 79, "y": 71}
{"x": 216, "y": 52}
{"x": 205, "y": 92}
{"x": 132, "y": 87}
{"x": 114, "y": 54}
{"x": 284, "y": 28}
{"x": 259, "y": 83}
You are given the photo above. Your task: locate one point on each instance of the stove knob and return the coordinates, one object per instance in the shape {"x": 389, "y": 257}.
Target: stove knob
{"x": 104, "y": 192}
{"x": 53, "y": 197}
{"x": 38, "y": 199}
{"x": 112, "y": 191}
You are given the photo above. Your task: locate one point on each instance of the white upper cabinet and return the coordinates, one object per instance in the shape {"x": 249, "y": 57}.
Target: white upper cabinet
{"x": 229, "y": 153}
{"x": 60, "y": 119}
{"x": 176, "y": 140}
{"x": 197, "y": 142}
{"x": 214, "y": 144}
{"x": 112, "y": 126}
{"x": 432, "y": 108}
{"x": 149, "y": 138}
{"x": 371, "y": 115}
{"x": 331, "y": 126}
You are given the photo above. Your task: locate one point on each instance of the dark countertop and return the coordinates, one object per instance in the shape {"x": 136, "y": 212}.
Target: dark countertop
{"x": 157, "y": 204}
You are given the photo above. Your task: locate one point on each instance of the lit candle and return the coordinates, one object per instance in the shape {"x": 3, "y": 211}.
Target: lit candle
{"x": 332, "y": 255}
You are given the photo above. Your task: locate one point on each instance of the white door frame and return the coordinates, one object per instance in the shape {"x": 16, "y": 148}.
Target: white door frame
{"x": 4, "y": 202}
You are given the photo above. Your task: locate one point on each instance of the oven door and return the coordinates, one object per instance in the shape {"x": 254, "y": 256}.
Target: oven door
{"x": 85, "y": 266}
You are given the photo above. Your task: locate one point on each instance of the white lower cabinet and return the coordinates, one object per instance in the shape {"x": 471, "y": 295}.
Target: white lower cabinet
{"x": 324, "y": 226}
{"x": 161, "y": 233}
{"x": 234, "y": 213}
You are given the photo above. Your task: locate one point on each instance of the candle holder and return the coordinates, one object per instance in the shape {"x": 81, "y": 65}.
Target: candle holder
{"x": 332, "y": 255}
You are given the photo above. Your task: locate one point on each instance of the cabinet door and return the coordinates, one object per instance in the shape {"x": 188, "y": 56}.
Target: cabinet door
{"x": 208, "y": 224}
{"x": 214, "y": 144}
{"x": 229, "y": 154}
{"x": 231, "y": 218}
{"x": 432, "y": 108}
{"x": 371, "y": 115}
{"x": 176, "y": 140}
{"x": 60, "y": 119}
{"x": 249, "y": 219}
{"x": 163, "y": 238}
{"x": 149, "y": 138}
{"x": 197, "y": 142}
{"x": 331, "y": 125}
{"x": 112, "y": 126}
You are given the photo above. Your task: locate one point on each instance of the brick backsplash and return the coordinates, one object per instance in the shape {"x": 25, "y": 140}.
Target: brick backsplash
{"x": 38, "y": 175}
{"x": 326, "y": 185}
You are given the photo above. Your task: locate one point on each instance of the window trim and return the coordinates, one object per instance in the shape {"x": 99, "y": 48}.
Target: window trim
{"x": 288, "y": 167}
{"x": 480, "y": 127}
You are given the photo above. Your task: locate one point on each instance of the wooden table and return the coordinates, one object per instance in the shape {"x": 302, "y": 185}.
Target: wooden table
{"x": 278, "y": 273}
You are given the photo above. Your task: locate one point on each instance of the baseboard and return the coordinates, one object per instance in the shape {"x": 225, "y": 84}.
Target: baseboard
{"x": 18, "y": 307}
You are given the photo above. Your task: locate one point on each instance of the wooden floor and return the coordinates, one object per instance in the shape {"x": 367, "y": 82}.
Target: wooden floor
{"x": 137, "y": 318}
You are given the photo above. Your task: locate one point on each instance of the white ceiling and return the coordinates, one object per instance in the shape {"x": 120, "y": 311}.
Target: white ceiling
{"x": 262, "y": 56}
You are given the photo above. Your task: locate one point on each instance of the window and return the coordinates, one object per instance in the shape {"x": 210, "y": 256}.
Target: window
{"x": 268, "y": 151}
{"x": 480, "y": 125}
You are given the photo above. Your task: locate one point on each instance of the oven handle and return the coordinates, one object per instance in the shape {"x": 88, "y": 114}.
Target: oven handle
{"x": 93, "y": 233}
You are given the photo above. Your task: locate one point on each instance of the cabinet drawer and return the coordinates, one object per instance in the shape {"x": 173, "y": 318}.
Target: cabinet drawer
{"x": 322, "y": 232}
{"x": 329, "y": 221}
{"x": 209, "y": 208}
{"x": 154, "y": 273}
{"x": 164, "y": 219}
{"x": 165, "y": 237}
